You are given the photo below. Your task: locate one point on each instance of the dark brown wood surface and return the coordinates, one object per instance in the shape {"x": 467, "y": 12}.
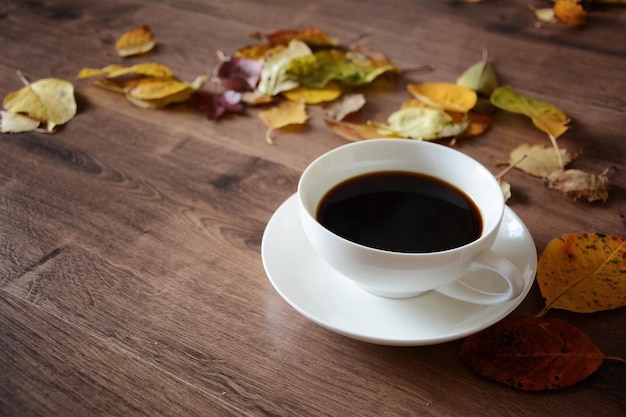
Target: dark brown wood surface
{"x": 131, "y": 281}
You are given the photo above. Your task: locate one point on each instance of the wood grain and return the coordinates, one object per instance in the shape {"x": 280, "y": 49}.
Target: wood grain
{"x": 131, "y": 281}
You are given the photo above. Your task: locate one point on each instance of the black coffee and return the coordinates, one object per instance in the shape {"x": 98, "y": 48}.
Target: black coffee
{"x": 400, "y": 211}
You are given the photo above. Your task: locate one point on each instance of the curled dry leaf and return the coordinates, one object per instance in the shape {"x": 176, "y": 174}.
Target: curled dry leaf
{"x": 544, "y": 14}
{"x": 273, "y": 74}
{"x": 284, "y": 114}
{"x": 216, "y": 105}
{"x": 156, "y": 93}
{"x": 445, "y": 96}
{"x": 347, "y": 104}
{"x": 530, "y": 354}
{"x": 311, "y": 36}
{"x": 49, "y": 101}
{"x": 148, "y": 69}
{"x": 581, "y": 185}
{"x": 135, "y": 42}
{"x": 16, "y": 123}
{"x": 313, "y": 95}
{"x": 583, "y": 272}
{"x": 355, "y": 131}
{"x": 237, "y": 73}
{"x": 422, "y": 123}
{"x": 570, "y": 12}
{"x": 539, "y": 161}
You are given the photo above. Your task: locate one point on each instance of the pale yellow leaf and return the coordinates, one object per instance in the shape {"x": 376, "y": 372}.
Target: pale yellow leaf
{"x": 540, "y": 161}
{"x": 49, "y": 100}
{"x": 16, "y": 123}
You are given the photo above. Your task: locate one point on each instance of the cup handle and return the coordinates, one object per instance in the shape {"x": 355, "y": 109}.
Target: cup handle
{"x": 488, "y": 259}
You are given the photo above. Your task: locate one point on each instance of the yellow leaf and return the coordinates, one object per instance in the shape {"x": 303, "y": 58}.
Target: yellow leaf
{"x": 545, "y": 14}
{"x": 154, "y": 93}
{"x": 544, "y": 115}
{"x": 49, "y": 100}
{"x": 570, "y": 12}
{"x": 539, "y": 161}
{"x": 148, "y": 69}
{"x": 312, "y": 95}
{"x": 583, "y": 273}
{"x": 284, "y": 114}
{"x": 16, "y": 123}
{"x": 446, "y": 96}
{"x": 134, "y": 42}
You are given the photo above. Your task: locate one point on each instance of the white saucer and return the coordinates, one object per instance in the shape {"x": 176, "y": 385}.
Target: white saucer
{"x": 331, "y": 300}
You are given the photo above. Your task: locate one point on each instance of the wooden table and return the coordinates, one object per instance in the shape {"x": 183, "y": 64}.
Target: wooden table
{"x": 131, "y": 281}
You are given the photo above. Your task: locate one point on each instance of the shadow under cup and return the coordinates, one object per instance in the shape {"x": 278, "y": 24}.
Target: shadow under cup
{"x": 398, "y": 274}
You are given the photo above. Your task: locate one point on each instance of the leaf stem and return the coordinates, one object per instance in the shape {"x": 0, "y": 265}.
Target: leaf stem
{"x": 502, "y": 173}
{"x": 22, "y": 78}
{"x": 558, "y": 152}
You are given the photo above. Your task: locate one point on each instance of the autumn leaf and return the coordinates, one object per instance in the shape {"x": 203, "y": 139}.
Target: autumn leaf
{"x": 583, "y": 272}
{"x": 578, "y": 184}
{"x": 480, "y": 77}
{"x": 570, "y": 12}
{"x": 155, "y": 93}
{"x": 347, "y": 104}
{"x": 16, "y": 123}
{"x": 544, "y": 14}
{"x": 148, "y": 69}
{"x": 544, "y": 115}
{"x": 446, "y": 96}
{"x": 422, "y": 123}
{"x": 312, "y": 95}
{"x": 215, "y": 106}
{"x": 274, "y": 78}
{"x": 320, "y": 68}
{"x": 540, "y": 161}
{"x": 311, "y": 36}
{"x": 284, "y": 114}
{"x": 49, "y": 101}
{"x": 135, "y": 42}
{"x": 530, "y": 354}
{"x": 356, "y": 131}
{"x": 237, "y": 73}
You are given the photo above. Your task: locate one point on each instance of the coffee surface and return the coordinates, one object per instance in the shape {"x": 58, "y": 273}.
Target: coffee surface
{"x": 401, "y": 212}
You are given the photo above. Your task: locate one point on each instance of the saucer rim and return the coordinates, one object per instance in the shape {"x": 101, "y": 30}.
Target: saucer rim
{"x": 500, "y": 310}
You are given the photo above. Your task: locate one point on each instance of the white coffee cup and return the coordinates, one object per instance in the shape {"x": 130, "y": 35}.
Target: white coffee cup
{"x": 400, "y": 274}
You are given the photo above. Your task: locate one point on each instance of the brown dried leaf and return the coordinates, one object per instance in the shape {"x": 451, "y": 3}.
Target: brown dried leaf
{"x": 578, "y": 184}
{"x": 530, "y": 354}
{"x": 347, "y": 104}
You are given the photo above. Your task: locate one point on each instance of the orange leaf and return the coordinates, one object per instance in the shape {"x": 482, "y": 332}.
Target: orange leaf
{"x": 310, "y": 36}
{"x": 570, "y": 12}
{"x": 446, "y": 96}
{"x": 135, "y": 42}
{"x": 530, "y": 354}
{"x": 583, "y": 273}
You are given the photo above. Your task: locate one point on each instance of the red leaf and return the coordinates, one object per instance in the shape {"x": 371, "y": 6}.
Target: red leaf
{"x": 216, "y": 105}
{"x": 239, "y": 74}
{"x": 530, "y": 354}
